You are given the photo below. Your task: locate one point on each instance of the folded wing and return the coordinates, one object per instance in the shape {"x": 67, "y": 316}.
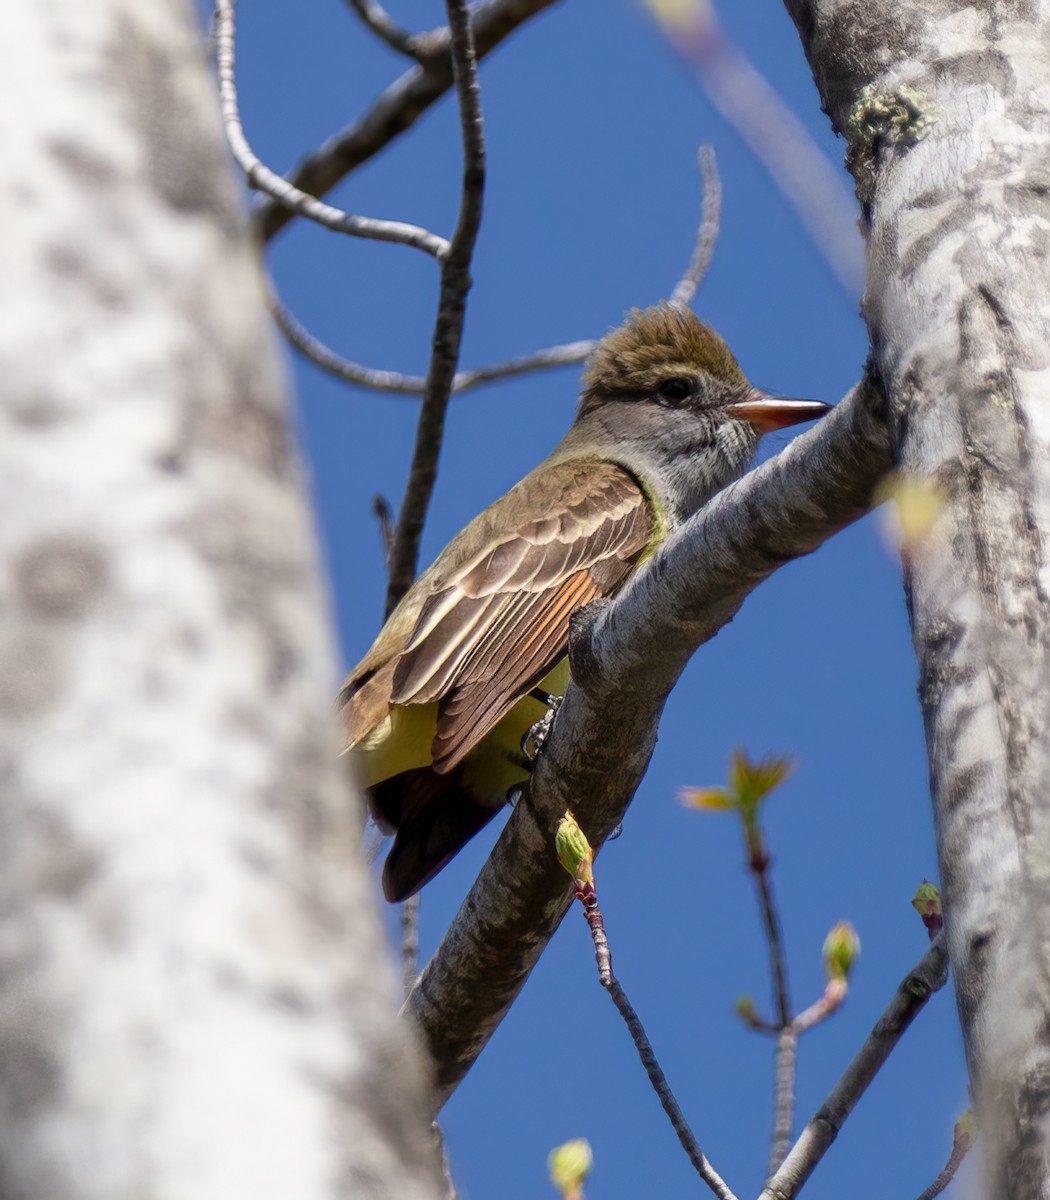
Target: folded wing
{"x": 495, "y": 623}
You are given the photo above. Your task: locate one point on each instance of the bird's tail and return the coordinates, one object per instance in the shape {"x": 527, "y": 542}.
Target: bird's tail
{"x": 433, "y": 815}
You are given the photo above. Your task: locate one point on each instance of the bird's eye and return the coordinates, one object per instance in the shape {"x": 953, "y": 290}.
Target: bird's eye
{"x": 674, "y": 391}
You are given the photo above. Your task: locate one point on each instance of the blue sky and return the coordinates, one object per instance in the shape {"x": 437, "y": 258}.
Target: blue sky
{"x": 593, "y": 125}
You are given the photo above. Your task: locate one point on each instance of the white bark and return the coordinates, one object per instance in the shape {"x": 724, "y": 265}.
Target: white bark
{"x": 192, "y": 998}
{"x": 950, "y": 143}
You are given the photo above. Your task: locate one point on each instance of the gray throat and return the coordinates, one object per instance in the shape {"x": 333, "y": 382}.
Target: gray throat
{"x": 684, "y": 458}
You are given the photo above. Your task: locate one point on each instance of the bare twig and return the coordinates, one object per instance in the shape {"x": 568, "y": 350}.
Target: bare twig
{"x": 707, "y": 234}
{"x": 785, "y": 1073}
{"x": 287, "y": 194}
{"x": 786, "y": 1070}
{"x": 397, "y": 109}
{"x": 415, "y": 385}
{"x": 928, "y": 975}
{"x": 707, "y": 1173}
{"x": 829, "y": 1003}
{"x": 452, "y": 303}
{"x": 758, "y": 863}
{"x": 385, "y": 27}
{"x": 962, "y": 1142}
{"x": 786, "y": 1060}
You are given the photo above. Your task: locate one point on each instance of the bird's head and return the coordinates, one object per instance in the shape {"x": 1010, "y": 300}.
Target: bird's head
{"x": 667, "y": 394}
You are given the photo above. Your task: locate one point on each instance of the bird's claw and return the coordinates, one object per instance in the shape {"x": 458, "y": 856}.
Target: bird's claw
{"x": 536, "y": 735}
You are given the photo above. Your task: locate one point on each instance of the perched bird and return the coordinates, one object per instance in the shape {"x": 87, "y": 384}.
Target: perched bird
{"x": 436, "y": 711}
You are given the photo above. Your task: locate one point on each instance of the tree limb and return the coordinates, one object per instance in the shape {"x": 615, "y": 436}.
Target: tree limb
{"x": 948, "y": 144}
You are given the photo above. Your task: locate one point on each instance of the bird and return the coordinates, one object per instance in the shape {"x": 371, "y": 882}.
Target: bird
{"x": 474, "y": 654}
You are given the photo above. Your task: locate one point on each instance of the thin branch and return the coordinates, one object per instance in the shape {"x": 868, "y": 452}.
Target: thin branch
{"x": 375, "y": 16}
{"x": 397, "y": 109}
{"x": 608, "y": 980}
{"x": 785, "y": 1073}
{"x": 786, "y": 1059}
{"x": 452, "y": 304}
{"x": 828, "y": 1004}
{"x": 275, "y": 186}
{"x": 928, "y": 975}
{"x": 626, "y": 656}
{"x": 415, "y": 385}
{"x": 707, "y": 234}
{"x": 539, "y": 360}
{"x": 758, "y": 863}
{"x": 962, "y": 1142}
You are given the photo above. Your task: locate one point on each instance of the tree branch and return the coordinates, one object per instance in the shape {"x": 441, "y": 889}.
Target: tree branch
{"x": 415, "y": 385}
{"x": 286, "y": 194}
{"x": 962, "y": 1143}
{"x": 538, "y": 360}
{"x": 452, "y": 305}
{"x": 707, "y": 235}
{"x": 397, "y": 109}
{"x": 626, "y": 657}
{"x": 375, "y": 16}
{"x": 928, "y": 975}
{"x": 785, "y": 1073}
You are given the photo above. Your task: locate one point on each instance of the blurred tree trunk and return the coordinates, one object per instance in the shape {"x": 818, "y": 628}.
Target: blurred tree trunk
{"x": 193, "y": 1002}
{"x": 945, "y": 109}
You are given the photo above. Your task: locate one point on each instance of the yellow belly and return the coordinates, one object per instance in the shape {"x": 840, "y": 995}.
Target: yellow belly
{"x": 402, "y": 742}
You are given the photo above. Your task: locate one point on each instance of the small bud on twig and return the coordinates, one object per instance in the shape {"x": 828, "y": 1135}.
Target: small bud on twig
{"x": 841, "y": 950}
{"x": 927, "y": 903}
{"x": 575, "y": 853}
{"x": 569, "y": 1165}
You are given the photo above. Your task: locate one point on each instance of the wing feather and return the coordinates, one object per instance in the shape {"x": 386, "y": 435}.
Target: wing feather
{"x": 495, "y": 622}
{"x": 477, "y": 706}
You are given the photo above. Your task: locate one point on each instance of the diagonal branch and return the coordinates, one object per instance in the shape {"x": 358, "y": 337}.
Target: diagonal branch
{"x": 291, "y": 198}
{"x": 607, "y": 977}
{"x": 626, "y": 657}
{"x": 928, "y": 975}
{"x": 397, "y": 109}
{"x": 402, "y": 384}
{"x": 452, "y": 306}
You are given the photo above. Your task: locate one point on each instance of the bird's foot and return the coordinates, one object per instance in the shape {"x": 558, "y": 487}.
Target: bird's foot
{"x": 536, "y": 736}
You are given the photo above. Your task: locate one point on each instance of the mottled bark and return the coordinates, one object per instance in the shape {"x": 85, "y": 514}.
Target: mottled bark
{"x": 946, "y": 108}
{"x": 193, "y": 1002}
